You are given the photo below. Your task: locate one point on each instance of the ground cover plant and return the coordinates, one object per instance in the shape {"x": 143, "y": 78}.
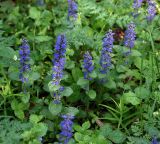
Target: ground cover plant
{"x": 79, "y": 71}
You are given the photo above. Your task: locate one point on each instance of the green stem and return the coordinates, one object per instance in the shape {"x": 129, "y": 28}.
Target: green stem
{"x": 5, "y": 110}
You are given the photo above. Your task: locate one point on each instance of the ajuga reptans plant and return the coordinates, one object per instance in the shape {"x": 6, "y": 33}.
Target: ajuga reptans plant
{"x": 72, "y": 9}
{"x": 59, "y": 62}
{"x": 24, "y": 53}
{"x": 66, "y": 129}
{"x": 105, "y": 60}
{"x": 87, "y": 65}
{"x": 129, "y": 37}
{"x": 151, "y": 10}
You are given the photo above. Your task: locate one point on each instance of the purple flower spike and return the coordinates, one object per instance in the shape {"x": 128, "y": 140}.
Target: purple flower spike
{"x": 151, "y": 10}
{"x": 87, "y": 65}
{"x": 154, "y": 141}
{"x": 137, "y": 4}
{"x": 59, "y": 59}
{"x": 58, "y": 65}
{"x": 72, "y": 9}
{"x": 105, "y": 60}
{"x": 66, "y": 129}
{"x": 130, "y": 36}
{"x": 24, "y": 53}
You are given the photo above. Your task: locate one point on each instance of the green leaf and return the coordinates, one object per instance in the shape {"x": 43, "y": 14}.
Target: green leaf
{"x": 142, "y": 92}
{"x": 130, "y": 97}
{"x": 43, "y": 38}
{"x": 25, "y": 97}
{"x": 67, "y": 91}
{"x": 13, "y": 73}
{"x": 82, "y": 82}
{"x": 14, "y": 104}
{"x": 93, "y": 74}
{"x": 117, "y": 137}
{"x": 121, "y": 68}
{"x": 55, "y": 108}
{"x": 19, "y": 113}
{"x": 70, "y": 64}
{"x": 78, "y": 137}
{"x": 105, "y": 130}
{"x": 41, "y": 129}
{"x": 92, "y": 94}
{"x": 7, "y": 52}
{"x": 34, "y": 76}
{"x": 53, "y": 88}
{"x": 136, "y": 53}
{"x": 76, "y": 73}
{"x": 35, "y": 118}
{"x": 71, "y": 111}
{"x": 86, "y": 125}
{"x": 34, "y": 13}
{"x": 110, "y": 84}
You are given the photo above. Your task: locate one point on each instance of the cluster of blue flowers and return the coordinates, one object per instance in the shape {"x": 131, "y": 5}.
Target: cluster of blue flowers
{"x": 130, "y": 35}
{"x": 59, "y": 59}
{"x": 151, "y": 10}
{"x": 24, "y": 53}
{"x": 66, "y": 129}
{"x": 154, "y": 141}
{"x": 72, "y": 9}
{"x": 105, "y": 60}
{"x": 137, "y": 4}
{"x": 87, "y": 65}
{"x": 58, "y": 64}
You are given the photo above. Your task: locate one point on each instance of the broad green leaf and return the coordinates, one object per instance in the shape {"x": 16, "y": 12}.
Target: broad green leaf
{"x": 117, "y": 137}
{"x": 93, "y": 74}
{"x": 78, "y": 137}
{"x": 53, "y": 87}
{"x": 25, "y": 97}
{"x": 7, "y": 52}
{"x": 34, "y": 13}
{"x": 82, "y": 82}
{"x": 19, "y": 113}
{"x": 70, "y": 64}
{"x": 71, "y": 111}
{"x": 43, "y": 38}
{"x": 55, "y": 108}
{"x": 142, "y": 92}
{"x": 67, "y": 91}
{"x": 34, "y": 76}
{"x": 86, "y": 125}
{"x": 130, "y": 97}
{"x": 121, "y": 68}
{"x": 35, "y": 118}
{"x": 92, "y": 94}
{"x": 136, "y": 53}
{"x": 110, "y": 84}
{"x": 41, "y": 129}
{"x": 76, "y": 73}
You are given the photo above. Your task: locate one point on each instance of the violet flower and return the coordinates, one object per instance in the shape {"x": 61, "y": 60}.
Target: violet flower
{"x": 24, "y": 53}
{"x": 151, "y": 10}
{"x": 130, "y": 35}
{"x": 66, "y": 129}
{"x": 154, "y": 141}
{"x": 87, "y": 65}
{"x": 72, "y": 9}
{"x": 58, "y": 65}
{"x": 59, "y": 59}
{"x": 137, "y": 4}
{"x": 105, "y": 60}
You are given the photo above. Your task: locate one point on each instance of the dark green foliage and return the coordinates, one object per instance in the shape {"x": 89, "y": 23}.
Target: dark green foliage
{"x": 11, "y": 130}
{"x": 120, "y": 107}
